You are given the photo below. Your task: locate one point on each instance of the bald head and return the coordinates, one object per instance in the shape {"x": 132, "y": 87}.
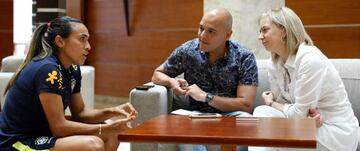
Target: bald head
{"x": 222, "y": 15}
{"x": 214, "y": 31}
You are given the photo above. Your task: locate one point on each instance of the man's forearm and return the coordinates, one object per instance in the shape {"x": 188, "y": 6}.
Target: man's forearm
{"x": 227, "y": 104}
{"x": 161, "y": 79}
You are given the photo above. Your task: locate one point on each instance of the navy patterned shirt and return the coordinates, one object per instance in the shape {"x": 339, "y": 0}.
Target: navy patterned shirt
{"x": 237, "y": 67}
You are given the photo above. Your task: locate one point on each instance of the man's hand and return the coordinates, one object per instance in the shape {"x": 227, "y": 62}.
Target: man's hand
{"x": 178, "y": 85}
{"x": 313, "y": 114}
{"x": 195, "y": 92}
{"x": 182, "y": 83}
{"x": 268, "y": 97}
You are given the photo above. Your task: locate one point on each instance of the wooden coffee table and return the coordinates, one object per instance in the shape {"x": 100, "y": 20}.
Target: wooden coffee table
{"x": 226, "y": 131}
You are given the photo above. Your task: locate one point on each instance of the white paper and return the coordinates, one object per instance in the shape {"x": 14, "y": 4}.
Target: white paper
{"x": 195, "y": 114}
{"x": 185, "y": 112}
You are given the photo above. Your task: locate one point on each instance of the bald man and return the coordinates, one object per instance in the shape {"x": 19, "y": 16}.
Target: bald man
{"x": 220, "y": 75}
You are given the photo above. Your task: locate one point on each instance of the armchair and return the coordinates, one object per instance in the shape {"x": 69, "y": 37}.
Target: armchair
{"x": 158, "y": 100}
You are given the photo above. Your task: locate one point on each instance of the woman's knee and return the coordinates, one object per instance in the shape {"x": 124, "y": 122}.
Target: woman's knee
{"x": 111, "y": 142}
{"x": 80, "y": 142}
{"x": 94, "y": 143}
{"x": 267, "y": 111}
{"x": 262, "y": 111}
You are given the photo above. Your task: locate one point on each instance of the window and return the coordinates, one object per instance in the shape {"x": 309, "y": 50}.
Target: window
{"x": 22, "y": 25}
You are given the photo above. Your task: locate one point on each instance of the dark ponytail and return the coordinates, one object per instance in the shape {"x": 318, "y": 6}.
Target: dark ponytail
{"x": 43, "y": 44}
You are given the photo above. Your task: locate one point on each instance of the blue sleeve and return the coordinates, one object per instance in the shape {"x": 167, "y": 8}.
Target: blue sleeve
{"x": 49, "y": 79}
{"x": 249, "y": 71}
{"x": 174, "y": 64}
{"x": 77, "y": 77}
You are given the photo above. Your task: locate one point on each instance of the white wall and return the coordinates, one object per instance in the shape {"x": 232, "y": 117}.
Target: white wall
{"x": 245, "y": 20}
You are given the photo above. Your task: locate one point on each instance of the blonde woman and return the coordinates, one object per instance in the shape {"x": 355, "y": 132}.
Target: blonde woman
{"x": 304, "y": 83}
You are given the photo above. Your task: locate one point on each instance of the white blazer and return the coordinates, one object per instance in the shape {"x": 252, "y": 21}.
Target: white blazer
{"x": 313, "y": 82}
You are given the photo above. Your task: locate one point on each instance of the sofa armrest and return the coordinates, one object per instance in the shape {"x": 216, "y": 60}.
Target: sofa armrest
{"x": 11, "y": 63}
{"x": 4, "y": 80}
{"x": 150, "y": 103}
{"x": 88, "y": 85}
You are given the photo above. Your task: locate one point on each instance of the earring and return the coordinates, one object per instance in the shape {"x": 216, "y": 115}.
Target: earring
{"x": 283, "y": 39}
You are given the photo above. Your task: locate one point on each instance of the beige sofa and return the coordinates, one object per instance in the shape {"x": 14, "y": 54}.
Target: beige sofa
{"x": 158, "y": 100}
{"x": 11, "y": 63}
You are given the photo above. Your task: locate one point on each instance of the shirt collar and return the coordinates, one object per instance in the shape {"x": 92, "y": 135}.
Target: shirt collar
{"x": 227, "y": 53}
{"x": 290, "y": 62}
{"x": 61, "y": 66}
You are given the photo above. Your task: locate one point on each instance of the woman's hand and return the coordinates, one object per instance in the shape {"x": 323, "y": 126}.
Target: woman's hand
{"x": 313, "y": 114}
{"x": 122, "y": 116}
{"x": 268, "y": 97}
{"x": 117, "y": 125}
{"x": 126, "y": 110}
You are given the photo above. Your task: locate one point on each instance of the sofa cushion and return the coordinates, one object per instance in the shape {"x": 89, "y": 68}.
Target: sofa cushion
{"x": 263, "y": 81}
{"x": 11, "y": 63}
{"x": 4, "y": 79}
{"x": 349, "y": 71}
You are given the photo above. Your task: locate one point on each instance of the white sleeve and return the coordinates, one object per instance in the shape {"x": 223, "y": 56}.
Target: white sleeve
{"x": 308, "y": 85}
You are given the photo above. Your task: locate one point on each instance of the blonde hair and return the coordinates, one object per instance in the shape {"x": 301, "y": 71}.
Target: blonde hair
{"x": 287, "y": 19}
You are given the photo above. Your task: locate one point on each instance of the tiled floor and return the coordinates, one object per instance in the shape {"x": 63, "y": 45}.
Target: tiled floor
{"x": 102, "y": 101}
{"x": 124, "y": 147}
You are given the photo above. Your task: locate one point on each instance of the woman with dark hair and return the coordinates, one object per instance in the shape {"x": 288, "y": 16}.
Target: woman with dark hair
{"x": 47, "y": 83}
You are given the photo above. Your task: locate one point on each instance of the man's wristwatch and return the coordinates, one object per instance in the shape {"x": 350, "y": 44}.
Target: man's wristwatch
{"x": 209, "y": 97}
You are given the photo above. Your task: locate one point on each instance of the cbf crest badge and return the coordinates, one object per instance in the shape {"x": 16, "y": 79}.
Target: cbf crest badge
{"x": 54, "y": 78}
{"x": 73, "y": 83}
{"x": 42, "y": 140}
